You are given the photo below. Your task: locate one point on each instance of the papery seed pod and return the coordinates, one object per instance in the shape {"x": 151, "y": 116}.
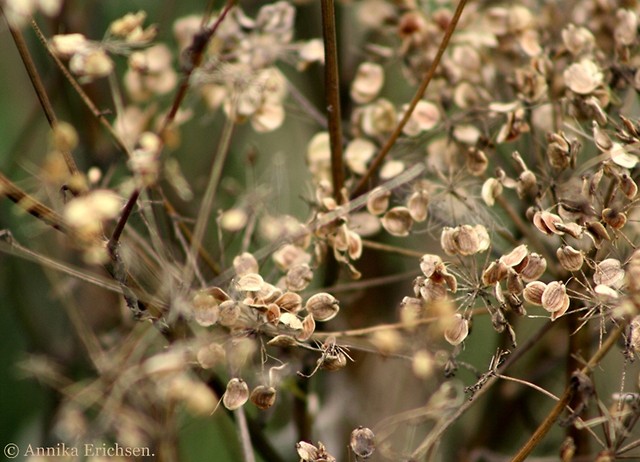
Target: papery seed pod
{"x": 362, "y": 442}
{"x": 514, "y": 282}
{"x": 484, "y": 241}
{"x": 533, "y": 292}
{"x": 527, "y": 184}
{"x": 308, "y": 328}
{"x": 251, "y": 282}
{"x": 633, "y": 273}
{"x": 431, "y": 291}
{"x": 558, "y": 150}
{"x": 236, "y": 395}
{"x": 515, "y": 257}
{"x": 397, "y": 221}
{"x": 572, "y": 229}
{"x": 210, "y": 355}
{"x": 545, "y": 222}
{"x": 450, "y": 280}
{"x": 322, "y": 306}
{"x": 614, "y": 218}
{"x": 273, "y": 313}
{"x": 495, "y": 272}
{"x": 291, "y": 321}
{"x": 367, "y": 83}
{"x": 307, "y": 451}
{"x": 448, "y": 240}
{"x": 411, "y": 309}
{"x": 245, "y": 263}
{"x": 358, "y": 153}
{"x": 498, "y": 320}
{"x": 430, "y": 263}
{"x": 263, "y": 397}
{"x": 289, "y": 301}
{"x": 628, "y": 186}
{"x": 282, "y": 341}
{"x": 601, "y": 138}
{"x": 206, "y": 311}
{"x": 491, "y": 189}
{"x": 457, "y": 329}
{"x": 555, "y": 299}
{"x": 229, "y": 313}
{"x": 634, "y": 334}
{"x": 535, "y": 268}
{"x": 609, "y": 272}
{"x": 515, "y": 304}
{"x": 333, "y": 361}
{"x": 597, "y": 232}
{"x": 418, "y": 204}
{"x": 355, "y": 245}
{"x": 298, "y": 277}
{"x": 378, "y": 200}
{"x": 605, "y": 293}
{"x": 570, "y": 258}
{"x": 477, "y": 161}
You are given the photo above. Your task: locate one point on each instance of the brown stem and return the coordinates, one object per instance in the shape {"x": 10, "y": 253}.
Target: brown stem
{"x": 41, "y": 92}
{"x": 565, "y": 399}
{"x": 377, "y": 161}
{"x": 332, "y": 97}
{"x": 126, "y": 213}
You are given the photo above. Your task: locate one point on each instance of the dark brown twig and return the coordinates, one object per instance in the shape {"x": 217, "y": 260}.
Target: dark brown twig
{"x": 377, "y": 161}
{"x": 332, "y": 96}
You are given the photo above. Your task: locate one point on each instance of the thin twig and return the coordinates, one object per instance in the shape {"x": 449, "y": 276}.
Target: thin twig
{"x": 553, "y": 415}
{"x": 245, "y": 437}
{"x": 377, "y": 161}
{"x": 41, "y": 92}
{"x": 391, "y": 248}
{"x": 332, "y": 96}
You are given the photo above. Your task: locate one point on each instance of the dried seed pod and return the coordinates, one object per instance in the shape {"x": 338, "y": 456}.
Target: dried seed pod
{"x": 236, "y": 395}
{"x": 633, "y": 273}
{"x": 431, "y": 291}
{"x": 546, "y": 222}
{"x": 559, "y": 150}
{"x": 358, "y": 153}
{"x": 464, "y": 240}
{"x": 322, "y": 306}
{"x": 229, "y": 313}
{"x": 397, "y": 221}
{"x": 614, "y": 218}
{"x": 495, "y": 272}
{"x": 515, "y": 304}
{"x": 491, "y": 189}
{"x": 308, "y": 328}
{"x": 477, "y": 161}
{"x": 430, "y": 263}
{"x": 533, "y": 292}
{"x": 333, "y": 361}
{"x": 498, "y": 321}
{"x": 245, "y": 263}
{"x": 298, "y": 277}
{"x": 307, "y": 451}
{"x": 597, "y": 232}
{"x": 570, "y": 258}
{"x": 514, "y": 282}
{"x": 210, "y": 355}
{"x": 378, "y": 200}
{"x": 609, "y": 272}
{"x": 362, "y": 442}
{"x": 367, "y": 82}
{"x": 634, "y": 335}
{"x": 628, "y": 186}
{"x": 605, "y": 292}
{"x": 555, "y": 299}
{"x": 263, "y": 397}
{"x": 418, "y": 204}
{"x": 273, "y": 313}
{"x": 457, "y": 329}
{"x": 572, "y": 229}
{"x": 206, "y": 310}
{"x": 535, "y": 268}
{"x": 291, "y": 321}
{"x": 289, "y": 301}
{"x": 515, "y": 257}
{"x": 282, "y": 341}
{"x": 251, "y": 282}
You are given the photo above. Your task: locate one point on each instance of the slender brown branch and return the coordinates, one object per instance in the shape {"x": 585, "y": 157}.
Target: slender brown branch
{"x": 195, "y": 54}
{"x": 377, "y": 161}
{"x": 391, "y": 248}
{"x": 124, "y": 216}
{"x": 332, "y": 96}
{"x": 41, "y": 92}
{"x": 553, "y": 415}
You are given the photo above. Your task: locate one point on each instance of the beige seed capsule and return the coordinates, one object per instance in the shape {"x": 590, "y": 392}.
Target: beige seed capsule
{"x": 515, "y": 257}
{"x": 430, "y": 263}
{"x": 609, "y": 272}
{"x": 245, "y": 263}
{"x": 514, "y": 283}
{"x": 251, "y": 282}
{"x": 457, "y": 329}
{"x": 289, "y": 301}
{"x": 597, "y": 232}
{"x": 614, "y": 218}
{"x": 533, "y": 291}
{"x": 298, "y": 277}
{"x": 418, "y": 204}
{"x": 322, "y": 306}
{"x": 333, "y": 361}
{"x": 308, "y": 328}
{"x": 495, "y": 272}
{"x": 378, "y": 200}
{"x": 273, "y": 313}
{"x": 229, "y": 313}
{"x": 546, "y": 222}
{"x": 362, "y": 442}
{"x": 628, "y": 186}
{"x": 236, "y": 395}
{"x": 570, "y": 258}
{"x": 467, "y": 239}
{"x": 263, "y": 397}
{"x": 535, "y": 268}
{"x": 572, "y": 229}
{"x": 282, "y": 341}
{"x": 397, "y": 221}
{"x": 555, "y": 299}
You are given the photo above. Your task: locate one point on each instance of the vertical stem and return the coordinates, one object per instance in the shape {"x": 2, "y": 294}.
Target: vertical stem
{"x": 332, "y": 96}
{"x": 245, "y": 438}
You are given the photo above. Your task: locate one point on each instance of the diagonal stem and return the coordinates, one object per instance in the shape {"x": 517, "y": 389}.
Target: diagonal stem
{"x": 377, "y": 161}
